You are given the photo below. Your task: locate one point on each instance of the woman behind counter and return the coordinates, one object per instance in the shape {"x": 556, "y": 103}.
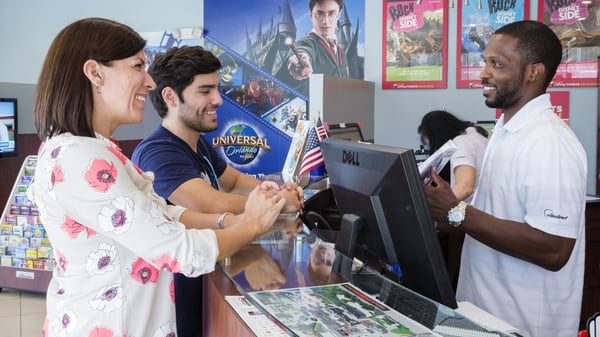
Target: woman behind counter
{"x": 115, "y": 241}
{"x": 439, "y": 126}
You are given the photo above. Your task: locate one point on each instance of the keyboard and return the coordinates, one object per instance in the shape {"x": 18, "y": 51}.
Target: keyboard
{"x": 462, "y": 327}
{"x": 369, "y": 283}
{"x": 408, "y": 303}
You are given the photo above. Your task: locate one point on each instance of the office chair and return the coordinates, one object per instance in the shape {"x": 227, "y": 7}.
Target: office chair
{"x": 593, "y": 325}
{"x": 315, "y": 220}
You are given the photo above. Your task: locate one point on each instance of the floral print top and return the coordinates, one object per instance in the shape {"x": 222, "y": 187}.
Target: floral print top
{"x": 116, "y": 242}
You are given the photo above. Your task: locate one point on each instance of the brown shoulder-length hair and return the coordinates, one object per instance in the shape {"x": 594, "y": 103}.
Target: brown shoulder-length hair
{"x": 63, "y": 97}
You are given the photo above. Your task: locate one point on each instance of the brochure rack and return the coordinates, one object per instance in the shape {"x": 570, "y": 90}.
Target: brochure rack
{"x": 26, "y": 261}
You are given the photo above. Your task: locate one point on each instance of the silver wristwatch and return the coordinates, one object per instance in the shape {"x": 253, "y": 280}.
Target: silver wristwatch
{"x": 456, "y": 215}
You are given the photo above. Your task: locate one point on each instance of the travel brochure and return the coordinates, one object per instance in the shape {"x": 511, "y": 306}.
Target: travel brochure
{"x": 334, "y": 311}
{"x": 438, "y": 159}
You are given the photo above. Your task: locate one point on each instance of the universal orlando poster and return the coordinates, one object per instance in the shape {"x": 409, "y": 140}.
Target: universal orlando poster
{"x": 261, "y": 105}
{"x": 415, "y": 44}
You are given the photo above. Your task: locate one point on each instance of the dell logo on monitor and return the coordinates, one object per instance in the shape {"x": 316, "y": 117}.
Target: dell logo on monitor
{"x": 349, "y": 157}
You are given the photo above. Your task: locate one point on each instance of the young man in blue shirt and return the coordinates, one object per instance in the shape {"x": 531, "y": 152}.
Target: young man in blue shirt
{"x": 188, "y": 171}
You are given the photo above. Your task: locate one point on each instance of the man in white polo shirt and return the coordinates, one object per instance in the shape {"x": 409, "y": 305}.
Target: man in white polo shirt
{"x": 523, "y": 256}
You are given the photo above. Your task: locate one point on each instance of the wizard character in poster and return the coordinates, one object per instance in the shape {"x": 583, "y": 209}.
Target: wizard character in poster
{"x": 289, "y": 40}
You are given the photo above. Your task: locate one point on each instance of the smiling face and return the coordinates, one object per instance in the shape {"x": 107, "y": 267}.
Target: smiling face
{"x": 120, "y": 93}
{"x": 324, "y": 17}
{"x": 503, "y": 75}
{"x": 201, "y": 98}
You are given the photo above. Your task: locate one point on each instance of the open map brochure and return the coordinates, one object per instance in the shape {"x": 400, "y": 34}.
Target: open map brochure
{"x": 438, "y": 159}
{"x": 335, "y": 311}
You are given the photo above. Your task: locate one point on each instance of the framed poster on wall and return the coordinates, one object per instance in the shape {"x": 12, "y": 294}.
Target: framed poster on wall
{"x": 577, "y": 25}
{"x": 415, "y": 44}
{"x": 477, "y": 20}
{"x": 560, "y": 105}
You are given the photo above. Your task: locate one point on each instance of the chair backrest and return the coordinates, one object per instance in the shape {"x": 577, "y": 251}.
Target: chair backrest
{"x": 593, "y": 325}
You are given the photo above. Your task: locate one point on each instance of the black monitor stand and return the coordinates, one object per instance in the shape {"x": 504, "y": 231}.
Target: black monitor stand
{"x": 369, "y": 281}
{"x": 345, "y": 244}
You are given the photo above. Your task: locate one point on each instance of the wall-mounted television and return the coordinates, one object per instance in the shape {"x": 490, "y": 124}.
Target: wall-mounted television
{"x": 8, "y": 127}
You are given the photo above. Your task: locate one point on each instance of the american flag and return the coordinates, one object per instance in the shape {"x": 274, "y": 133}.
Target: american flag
{"x": 313, "y": 157}
{"x": 321, "y": 132}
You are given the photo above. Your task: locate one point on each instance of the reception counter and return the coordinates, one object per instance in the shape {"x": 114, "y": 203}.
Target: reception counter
{"x": 292, "y": 264}
{"x": 283, "y": 264}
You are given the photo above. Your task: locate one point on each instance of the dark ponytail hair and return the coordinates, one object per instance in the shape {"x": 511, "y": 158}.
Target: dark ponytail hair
{"x": 439, "y": 126}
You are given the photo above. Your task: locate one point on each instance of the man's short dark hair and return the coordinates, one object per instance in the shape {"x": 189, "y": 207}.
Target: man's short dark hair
{"x": 312, "y": 3}
{"x": 537, "y": 43}
{"x": 176, "y": 69}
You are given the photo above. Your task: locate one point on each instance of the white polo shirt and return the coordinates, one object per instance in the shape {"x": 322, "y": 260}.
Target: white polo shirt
{"x": 534, "y": 171}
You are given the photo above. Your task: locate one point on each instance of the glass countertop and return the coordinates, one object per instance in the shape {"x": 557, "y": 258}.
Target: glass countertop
{"x": 278, "y": 272}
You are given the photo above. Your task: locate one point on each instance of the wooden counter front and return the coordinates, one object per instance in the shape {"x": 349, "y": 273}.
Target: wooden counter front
{"x": 218, "y": 317}
{"x": 591, "y": 283}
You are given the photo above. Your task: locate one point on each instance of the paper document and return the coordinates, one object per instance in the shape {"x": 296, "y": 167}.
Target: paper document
{"x": 258, "y": 322}
{"x": 336, "y": 311}
{"x": 293, "y": 160}
{"x": 483, "y": 318}
{"x": 438, "y": 159}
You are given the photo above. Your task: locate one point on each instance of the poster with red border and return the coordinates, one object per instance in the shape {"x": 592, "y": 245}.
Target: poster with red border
{"x": 415, "y": 44}
{"x": 560, "y": 104}
{"x": 477, "y": 22}
{"x": 577, "y": 25}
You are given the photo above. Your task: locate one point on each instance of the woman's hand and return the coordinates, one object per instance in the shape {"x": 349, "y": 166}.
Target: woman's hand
{"x": 263, "y": 207}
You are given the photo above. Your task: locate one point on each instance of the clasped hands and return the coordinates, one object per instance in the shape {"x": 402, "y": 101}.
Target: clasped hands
{"x": 293, "y": 194}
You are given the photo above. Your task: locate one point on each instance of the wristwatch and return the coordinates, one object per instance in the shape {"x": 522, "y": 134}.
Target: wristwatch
{"x": 456, "y": 215}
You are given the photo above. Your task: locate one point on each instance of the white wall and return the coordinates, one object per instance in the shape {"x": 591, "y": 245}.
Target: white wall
{"x": 28, "y": 27}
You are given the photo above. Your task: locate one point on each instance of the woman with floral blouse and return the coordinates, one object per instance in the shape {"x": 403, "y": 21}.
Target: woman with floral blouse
{"x": 116, "y": 243}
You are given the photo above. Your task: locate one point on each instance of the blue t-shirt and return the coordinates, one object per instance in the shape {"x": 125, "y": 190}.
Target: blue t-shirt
{"x": 173, "y": 161}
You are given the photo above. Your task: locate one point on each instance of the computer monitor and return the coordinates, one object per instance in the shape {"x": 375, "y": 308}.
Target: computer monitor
{"x": 346, "y": 131}
{"x": 487, "y": 126}
{"x": 381, "y": 187}
{"x": 8, "y": 127}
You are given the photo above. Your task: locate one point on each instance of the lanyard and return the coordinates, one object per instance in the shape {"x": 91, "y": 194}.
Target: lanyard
{"x": 212, "y": 174}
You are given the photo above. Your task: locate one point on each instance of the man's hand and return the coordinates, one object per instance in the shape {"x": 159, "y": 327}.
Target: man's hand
{"x": 294, "y": 196}
{"x": 300, "y": 69}
{"x": 440, "y": 197}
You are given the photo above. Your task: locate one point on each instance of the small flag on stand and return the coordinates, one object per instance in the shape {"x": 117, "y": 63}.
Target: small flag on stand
{"x": 313, "y": 157}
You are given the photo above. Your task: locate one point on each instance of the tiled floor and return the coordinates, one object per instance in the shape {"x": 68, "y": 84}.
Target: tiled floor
{"x": 22, "y": 313}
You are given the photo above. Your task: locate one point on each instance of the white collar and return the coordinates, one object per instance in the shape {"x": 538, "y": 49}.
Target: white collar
{"x": 526, "y": 114}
